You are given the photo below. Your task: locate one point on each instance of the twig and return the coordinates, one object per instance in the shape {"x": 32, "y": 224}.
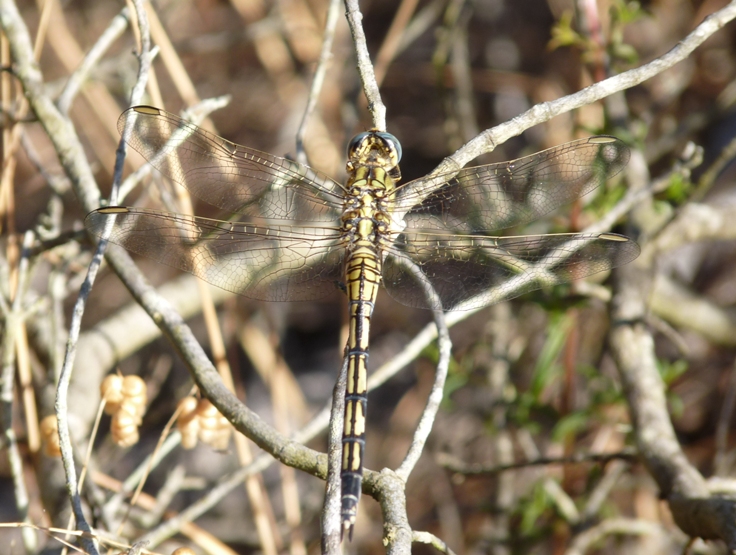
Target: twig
{"x": 153, "y": 459}
{"x": 49, "y": 531}
{"x": 14, "y": 316}
{"x": 29, "y": 75}
{"x": 325, "y": 55}
{"x": 286, "y": 450}
{"x": 79, "y": 308}
{"x": 394, "y": 38}
{"x": 150, "y": 462}
{"x": 460, "y": 467}
{"x": 331, "y": 518}
{"x": 226, "y": 485}
{"x": 491, "y": 138}
{"x": 365, "y": 68}
{"x": 426, "y": 421}
{"x": 434, "y": 541}
{"x": 695, "y": 510}
{"x": 75, "y": 81}
{"x": 424, "y": 427}
{"x": 602, "y": 490}
{"x": 582, "y": 543}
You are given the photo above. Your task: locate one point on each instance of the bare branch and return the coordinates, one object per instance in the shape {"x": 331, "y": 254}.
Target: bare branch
{"x": 694, "y": 509}
{"x": 325, "y": 55}
{"x": 77, "y": 79}
{"x": 365, "y": 68}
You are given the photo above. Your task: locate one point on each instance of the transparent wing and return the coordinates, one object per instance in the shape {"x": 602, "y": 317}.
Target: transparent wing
{"x": 498, "y": 196}
{"x": 232, "y": 177}
{"x": 270, "y": 262}
{"x": 472, "y": 271}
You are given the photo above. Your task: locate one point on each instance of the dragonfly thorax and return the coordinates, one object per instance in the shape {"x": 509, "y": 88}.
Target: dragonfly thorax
{"x": 367, "y": 210}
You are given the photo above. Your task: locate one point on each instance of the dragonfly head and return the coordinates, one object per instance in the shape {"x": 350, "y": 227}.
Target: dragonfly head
{"x": 375, "y": 148}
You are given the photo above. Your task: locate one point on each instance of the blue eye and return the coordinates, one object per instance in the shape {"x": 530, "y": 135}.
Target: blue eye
{"x": 355, "y": 141}
{"x": 393, "y": 142}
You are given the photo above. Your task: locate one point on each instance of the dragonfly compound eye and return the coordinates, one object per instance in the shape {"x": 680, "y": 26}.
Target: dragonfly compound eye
{"x": 392, "y": 143}
{"x": 374, "y": 145}
{"x": 356, "y": 143}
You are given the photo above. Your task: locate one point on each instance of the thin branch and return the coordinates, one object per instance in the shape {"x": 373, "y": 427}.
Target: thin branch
{"x": 77, "y": 79}
{"x": 695, "y": 510}
{"x": 491, "y": 138}
{"x": 426, "y": 421}
{"x": 454, "y": 465}
{"x": 325, "y": 55}
{"x": 229, "y": 483}
{"x": 434, "y": 541}
{"x": 582, "y": 543}
{"x": 424, "y": 427}
{"x": 136, "y": 477}
{"x": 388, "y": 489}
{"x": 14, "y": 315}
{"x": 394, "y": 37}
{"x": 286, "y": 450}
{"x": 365, "y": 68}
{"x": 602, "y": 490}
{"x": 71, "y": 154}
{"x": 332, "y": 529}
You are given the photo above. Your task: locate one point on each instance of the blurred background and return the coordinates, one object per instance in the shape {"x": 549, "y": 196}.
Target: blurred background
{"x": 530, "y": 380}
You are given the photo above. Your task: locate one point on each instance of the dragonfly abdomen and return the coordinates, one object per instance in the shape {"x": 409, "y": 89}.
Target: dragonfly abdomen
{"x": 363, "y": 276}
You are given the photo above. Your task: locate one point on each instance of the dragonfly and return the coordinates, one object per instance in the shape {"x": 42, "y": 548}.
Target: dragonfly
{"x": 295, "y": 234}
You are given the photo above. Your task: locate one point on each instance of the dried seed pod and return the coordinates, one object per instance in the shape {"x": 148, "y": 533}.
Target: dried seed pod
{"x": 188, "y": 422}
{"x": 50, "y": 436}
{"x": 126, "y": 402}
{"x": 124, "y": 427}
{"x": 214, "y": 429}
{"x": 134, "y": 405}
{"x": 134, "y": 389}
{"x": 111, "y": 390}
{"x": 129, "y": 408}
{"x": 221, "y": 436}
{"x": 133, "y": 386}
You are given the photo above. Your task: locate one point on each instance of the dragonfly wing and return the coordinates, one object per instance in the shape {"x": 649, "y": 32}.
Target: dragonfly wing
{"x": 230, "y": 176}
{"x": 498, "y": 196}
{"x": 443, "y": 271}
{"x": 269, "y": 262}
